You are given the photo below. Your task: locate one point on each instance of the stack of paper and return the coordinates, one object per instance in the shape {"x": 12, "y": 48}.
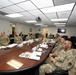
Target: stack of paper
{"x": 35, "y": 55}
{"x": 2, "y": 47}
{"x": 44, "y": 46}
{"x": 12, "y": 45}
{"x": 25, "y": 55}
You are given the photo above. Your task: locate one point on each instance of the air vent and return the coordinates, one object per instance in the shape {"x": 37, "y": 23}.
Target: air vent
{"x": 3, "y": 13}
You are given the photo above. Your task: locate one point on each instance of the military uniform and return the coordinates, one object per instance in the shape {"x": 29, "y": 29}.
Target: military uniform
{"x": 18, "y": 39}
{"x": 57, "y": 41}
{"x": 58, "y": 48}
{"x": 28, "y": 37}
{"x": 65, "y": 60}
{"x": 4, "y": 40}
{"x": 32, "y": 36}
{"x": 72, "y": 71}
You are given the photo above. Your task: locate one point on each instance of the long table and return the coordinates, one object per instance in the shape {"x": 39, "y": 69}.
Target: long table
{"x": 28, "y": 65}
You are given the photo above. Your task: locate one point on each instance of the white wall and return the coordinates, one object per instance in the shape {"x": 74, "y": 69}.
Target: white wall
{"x": 5, "y": 26}
{"x": 24, "y": 28}
{"x": 70, "y": 31}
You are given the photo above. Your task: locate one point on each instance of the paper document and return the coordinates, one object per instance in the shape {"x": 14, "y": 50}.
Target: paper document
{"x": 44, "y": 46}
{"x": 35, "y": 55}
{"x": 12, "y": 45}
{"x": 25, "y": 55}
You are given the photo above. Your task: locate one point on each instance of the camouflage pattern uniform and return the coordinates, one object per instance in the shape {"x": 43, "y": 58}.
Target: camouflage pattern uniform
{"x": 18, "y": 39}
{"x": 32, "y": 36}
{"x": 72, "y": 71}
{"x": 65, "y": 60}
{"x": 57, "y": 41}
{"x": 28, "y": 37}
{"x": 4, "y": 40}
{"x": 58, "y": 48}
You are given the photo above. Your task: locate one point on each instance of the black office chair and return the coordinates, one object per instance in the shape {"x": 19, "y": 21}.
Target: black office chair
{"x": 11, "y": 37}
{"x": 58, "y": 72}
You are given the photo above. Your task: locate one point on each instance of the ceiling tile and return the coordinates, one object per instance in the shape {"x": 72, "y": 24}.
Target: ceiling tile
{"x": 51, "y": 15}
{"x": 64, "y": 14}
{"x": 36, "y": 13}
{"x": 7, "y": 10}
{"x": 72, "y": 19}
{"x": 26, "y": 14}
{"x": 42, "y": 3}
{"x": 0, "y": 6}
{"x": 5, "y": 3}
{"x": 61, "y": 2}
{"x": 17, "y": 1}
{"x": 30, "y": 9}
{"x": 15, "y": 8}
{"x": 27, "y": 5}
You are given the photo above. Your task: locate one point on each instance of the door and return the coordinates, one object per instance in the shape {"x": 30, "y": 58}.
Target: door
{"x": 45, "y": 33}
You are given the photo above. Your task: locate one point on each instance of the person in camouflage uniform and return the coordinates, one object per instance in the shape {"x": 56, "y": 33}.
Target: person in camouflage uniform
{"x": 28, "y": 36}
{"x": 65, "y": 60}
{"x": 57, "y": 39}
{"x": 4, "y": 40}
{"x": 58, "y": 48}
{"x": 18, "y": 39}
{"x": 32, "y": 36}
{"x": 72, "y": 71}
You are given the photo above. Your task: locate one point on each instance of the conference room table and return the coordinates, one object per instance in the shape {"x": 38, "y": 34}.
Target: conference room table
{"x": 29, "y": 66}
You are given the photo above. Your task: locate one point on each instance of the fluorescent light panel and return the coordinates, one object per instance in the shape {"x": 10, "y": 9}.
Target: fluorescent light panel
{"x": 59, "y": 23}
{"x": 63, "y": 19}
{"x": 30, "y": 21}
{"x": 58, "y": 8}
{"x": 39, "y": 24}
{"x": 14, "y": 15}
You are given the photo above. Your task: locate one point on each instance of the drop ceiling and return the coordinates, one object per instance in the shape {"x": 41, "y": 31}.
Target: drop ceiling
{"x": 31, "y": 9}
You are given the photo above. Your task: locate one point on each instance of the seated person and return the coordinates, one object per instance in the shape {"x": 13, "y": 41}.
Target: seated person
{"x": 18, "y": 39}
{"x": 21, "y": 34}
{"x": 57, "y": 39}
{"x": 72, "y": 71}
{"x": 59, "y": 47}
{"x": 28, "y": 36}
{"x": 33, "y": 36}
{"x": 51, "y": 36}
{"x": 4, "y": 40}
{"x": 65, "y": 60}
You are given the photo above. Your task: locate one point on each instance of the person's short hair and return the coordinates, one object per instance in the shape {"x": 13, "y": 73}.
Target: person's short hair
{"x": 68, "y": 39}
{"x": 65, "y": 38}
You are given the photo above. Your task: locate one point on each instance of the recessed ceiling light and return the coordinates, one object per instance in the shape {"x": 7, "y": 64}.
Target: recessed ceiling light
{"x": 59, "y": 8}
{"x": 14, "y": 15}
{"x": 39, "y": 24}
{"x": 63, "y": 19}
{"x": 30, "y": 21}
{"x": 59, "y": 23}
